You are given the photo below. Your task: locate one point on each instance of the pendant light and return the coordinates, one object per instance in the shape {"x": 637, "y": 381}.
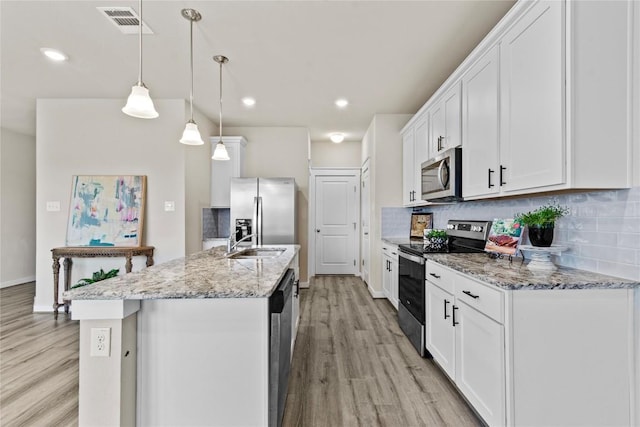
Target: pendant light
{"x": 220, "y": 152}
{"x": 139, "y": 103}
{"x": 191, "y": 135}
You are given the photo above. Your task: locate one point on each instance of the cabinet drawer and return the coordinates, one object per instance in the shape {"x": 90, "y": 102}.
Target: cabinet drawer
{"x": 390, "y": 250}
{"x": 486, "y": 300}
{"x": 441, "y": 276}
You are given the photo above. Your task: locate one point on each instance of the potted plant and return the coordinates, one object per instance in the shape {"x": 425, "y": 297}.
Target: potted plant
{"x": 541, "y": 223}
{"x": 436, "y": 239}
{"x": 96, "y": 277}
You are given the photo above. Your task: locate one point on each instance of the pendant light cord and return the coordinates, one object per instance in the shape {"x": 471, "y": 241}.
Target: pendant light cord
{"x": 221, "y": 101}
{"x": 140, "y": 44}
{"x": 191, "y": 54}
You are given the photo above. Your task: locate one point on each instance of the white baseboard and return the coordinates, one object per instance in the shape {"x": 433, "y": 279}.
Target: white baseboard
{"x": 376, "y": 294}
{"x": 47, "y": 309}
{"x": 19, "y": 281}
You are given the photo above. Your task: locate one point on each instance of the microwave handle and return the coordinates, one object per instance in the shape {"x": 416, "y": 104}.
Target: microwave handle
{"x": 443, "y": 165}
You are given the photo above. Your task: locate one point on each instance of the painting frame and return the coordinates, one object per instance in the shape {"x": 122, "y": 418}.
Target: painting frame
{"x": 106, "y": 211}
{"x": 504, "y": 237}
{"x": 420, "y": 222}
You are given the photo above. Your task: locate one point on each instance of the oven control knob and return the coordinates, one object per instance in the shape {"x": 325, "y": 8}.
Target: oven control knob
{"x": 451, "y": 227}
{"x": 474, "y": 228}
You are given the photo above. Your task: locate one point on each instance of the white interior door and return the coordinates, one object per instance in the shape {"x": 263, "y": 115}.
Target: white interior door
{"x": 336, "y": 221}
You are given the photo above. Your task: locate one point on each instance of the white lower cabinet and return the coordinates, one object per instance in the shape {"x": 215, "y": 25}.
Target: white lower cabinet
{"x": 390, "y": 272}
{"x": 534, "y": 357}
{"x": 467, "y": 344}
{"x": 480, "y": 373}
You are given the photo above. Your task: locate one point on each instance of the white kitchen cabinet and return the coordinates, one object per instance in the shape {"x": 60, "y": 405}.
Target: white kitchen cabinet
{"x": 534, "y": 357}
{"x": 532, "y": 100}
{"x": 415, "y": 150}
{"x": 408, "y": 167}
{"x": 445, "y": 122}
{"x": 480, "y": 366}
{"x": 390, "y": 272}
{"x": 480, "y": 127}
{"x": 223, "y": 171}
{"x": 440, "y": 334}
{"x": 467, "y": 343}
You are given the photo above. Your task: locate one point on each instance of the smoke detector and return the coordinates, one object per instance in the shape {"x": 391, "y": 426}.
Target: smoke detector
{"x": 125, "y": 18}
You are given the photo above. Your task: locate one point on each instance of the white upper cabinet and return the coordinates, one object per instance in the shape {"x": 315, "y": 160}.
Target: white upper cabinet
{"x": 408, "y": 168}
{"x": 421, "y": 154}
{"x": 223, "y": 171}
{"x": 445, "y": 122}
{"x": 543, "y": 103}
{"x": 532, "y": 152}
{"x": 415, "y": 150}
{"x": 480, "y": 127}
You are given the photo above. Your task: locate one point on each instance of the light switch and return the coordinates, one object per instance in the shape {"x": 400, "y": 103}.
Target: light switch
{"x": 53, "y": 206}
{"x": 169, "y": 206}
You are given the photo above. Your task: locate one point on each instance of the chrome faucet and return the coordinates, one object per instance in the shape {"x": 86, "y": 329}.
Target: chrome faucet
{"x": 232, "y": 246}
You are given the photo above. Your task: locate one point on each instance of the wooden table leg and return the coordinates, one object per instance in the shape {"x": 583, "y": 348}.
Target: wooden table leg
{"x": 150, "y": 260}
{"x": 56, "y": 277}
{"x": 128, "y": 265}
{"x": 67, "y": 281}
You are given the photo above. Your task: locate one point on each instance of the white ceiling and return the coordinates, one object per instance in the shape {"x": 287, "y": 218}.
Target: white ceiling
{"x": 295, "y": 57}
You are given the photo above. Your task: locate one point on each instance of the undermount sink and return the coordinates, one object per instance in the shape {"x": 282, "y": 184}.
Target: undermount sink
{"x": 257, "y": 253}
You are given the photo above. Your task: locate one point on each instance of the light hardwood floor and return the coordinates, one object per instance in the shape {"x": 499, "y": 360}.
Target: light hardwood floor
{"x": 351, "y": 366}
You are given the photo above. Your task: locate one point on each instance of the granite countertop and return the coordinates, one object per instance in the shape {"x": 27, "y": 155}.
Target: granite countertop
{"x": 516, "y": 275}
{"x": 206, "y": 274}
{"x": 398, "y": 240}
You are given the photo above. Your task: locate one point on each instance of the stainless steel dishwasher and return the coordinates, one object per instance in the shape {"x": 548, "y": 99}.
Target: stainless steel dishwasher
{"x": 281, "y": 312}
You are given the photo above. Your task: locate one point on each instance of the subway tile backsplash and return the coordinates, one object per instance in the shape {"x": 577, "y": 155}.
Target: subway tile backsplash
{"x": 602, "y": 230}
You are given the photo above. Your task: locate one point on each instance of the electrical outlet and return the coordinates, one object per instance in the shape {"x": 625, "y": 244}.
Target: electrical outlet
{"x": 100, "y": 342}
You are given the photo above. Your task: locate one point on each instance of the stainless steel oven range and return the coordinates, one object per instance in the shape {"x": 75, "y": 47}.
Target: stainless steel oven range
{"x": 464, "y": 236}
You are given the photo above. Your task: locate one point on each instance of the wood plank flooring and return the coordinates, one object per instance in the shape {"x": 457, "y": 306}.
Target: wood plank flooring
{"x": 352, "y": 365}
{"x": 38, "y": 363}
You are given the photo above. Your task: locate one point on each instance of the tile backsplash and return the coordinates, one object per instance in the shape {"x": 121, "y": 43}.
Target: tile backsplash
{"x": 215, "y": 223}
{"x": 602, "y": 229}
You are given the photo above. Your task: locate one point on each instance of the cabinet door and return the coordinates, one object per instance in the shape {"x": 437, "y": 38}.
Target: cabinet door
{"x": 436, "y": 140}
{"x": 408, "y": 165}
{"x": 480, "y": 127}
{"x": 393, "y": 279}
{"x": 222, "y": 172}
{"x": 421, "y": 154}
{"x": 386, "y": 277}
{"x": 532, "y": 149}
{"x": 480, "y": 365}
{"x": 452, "y": 124}
{"x": 440, "y": 339}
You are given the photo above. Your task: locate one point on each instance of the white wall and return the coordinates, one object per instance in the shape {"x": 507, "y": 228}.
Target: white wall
{"x": 274, "y": 152}
{"x": 17, "y": 208}
{"x": 93, "y": 137}
{"x": 326, "y": 154}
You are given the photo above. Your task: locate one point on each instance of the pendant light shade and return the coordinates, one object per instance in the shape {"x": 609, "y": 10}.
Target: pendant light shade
{"x": 220, "y": 152}
{"x": 139, "y": 103}
{"x": 191, "y": 135}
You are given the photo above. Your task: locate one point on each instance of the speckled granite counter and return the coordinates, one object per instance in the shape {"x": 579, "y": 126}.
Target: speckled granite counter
{"x": 397, "y": 240}
{"x": 516, "y": 275}
{"x": 206, "y": 274}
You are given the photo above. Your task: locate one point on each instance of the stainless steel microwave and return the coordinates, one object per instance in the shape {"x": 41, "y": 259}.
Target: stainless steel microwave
{"x": 442, "y": 177}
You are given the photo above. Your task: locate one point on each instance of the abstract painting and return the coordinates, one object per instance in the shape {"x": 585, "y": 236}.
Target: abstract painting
{"x": 106, "y": 210}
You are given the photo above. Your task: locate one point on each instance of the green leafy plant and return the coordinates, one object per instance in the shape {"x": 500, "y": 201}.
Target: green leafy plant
{"x": 544, "y": 216}
{"x": 96, "y": 277}
{"x": 436, "y": 233}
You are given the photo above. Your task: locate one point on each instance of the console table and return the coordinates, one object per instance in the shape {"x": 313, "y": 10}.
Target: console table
{"x": 90, "y": 252}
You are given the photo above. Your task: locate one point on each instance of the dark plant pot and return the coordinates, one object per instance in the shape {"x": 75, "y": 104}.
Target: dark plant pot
{"x": 541, "y": 236}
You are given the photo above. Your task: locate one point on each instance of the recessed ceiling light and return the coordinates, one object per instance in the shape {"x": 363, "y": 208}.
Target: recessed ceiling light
{"x": 337, "y": 137}
{"x": 248, "y": 101}
{"x": 54, "y": 54}
{"x": 342, "y": 102}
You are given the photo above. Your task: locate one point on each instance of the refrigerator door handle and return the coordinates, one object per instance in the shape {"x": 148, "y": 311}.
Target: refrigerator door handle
{"x": 258, "y": 201}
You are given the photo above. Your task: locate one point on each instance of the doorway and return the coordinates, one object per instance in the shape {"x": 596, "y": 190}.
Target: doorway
{"x": 333, "y": 221}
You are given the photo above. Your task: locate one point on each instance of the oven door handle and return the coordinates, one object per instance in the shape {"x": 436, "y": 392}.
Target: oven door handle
{"x": 410, "y": 257}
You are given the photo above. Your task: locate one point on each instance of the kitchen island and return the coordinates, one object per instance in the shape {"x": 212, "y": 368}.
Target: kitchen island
{"x": 187, "y": 341}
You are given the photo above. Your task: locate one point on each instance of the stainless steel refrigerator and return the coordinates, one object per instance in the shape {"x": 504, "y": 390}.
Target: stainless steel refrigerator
{"x": 264, "y": 207}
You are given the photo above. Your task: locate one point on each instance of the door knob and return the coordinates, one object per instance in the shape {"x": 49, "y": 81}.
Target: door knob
{"x": 317, "y": 230}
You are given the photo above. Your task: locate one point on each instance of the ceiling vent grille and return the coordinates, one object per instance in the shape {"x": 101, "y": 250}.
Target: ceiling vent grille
{"x": 125, "y": 18}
